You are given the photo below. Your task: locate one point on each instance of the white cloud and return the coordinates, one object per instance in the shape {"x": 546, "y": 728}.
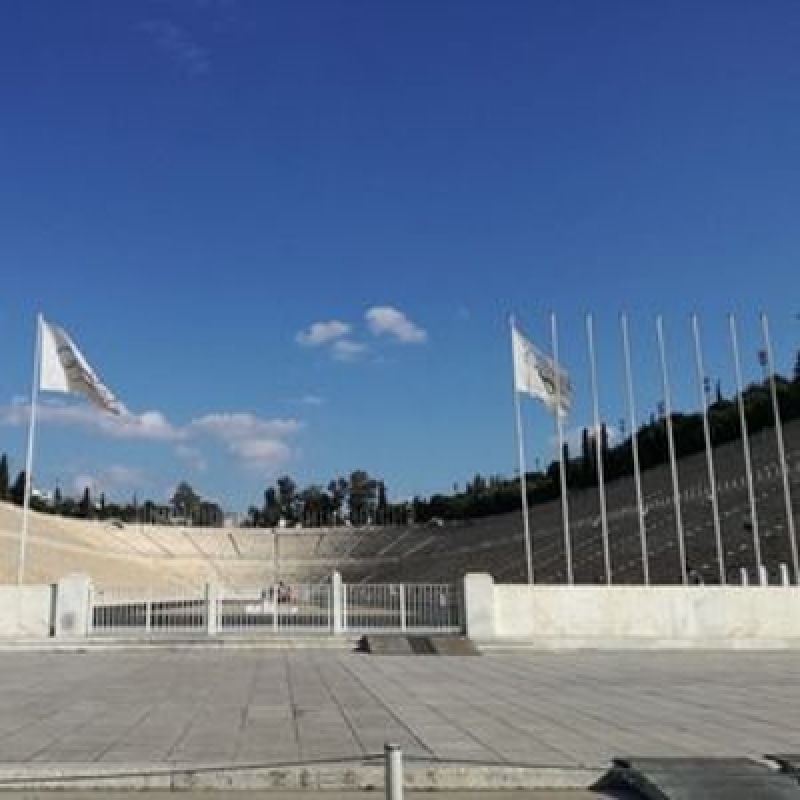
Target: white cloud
{"x": 312, "y": 400}
{"x": 147, "y": 425}
{"x": 385, "y": 320}
{"x": 260, "y": 453}
{"x": 348, "y": 350}
{"x": 240, "y": 424}
{"x": 322, "y": 333}
{"x": 253, "y": 441}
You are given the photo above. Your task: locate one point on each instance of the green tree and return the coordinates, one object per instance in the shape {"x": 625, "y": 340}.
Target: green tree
{"x": 86, "y": 504}
{"x": 17, "y": 491}
{"x": 287, "y": 498}
{"x": 185, "y": 501}
{"x": 337, "y": 489}
{"x": 361, "y": 496}
{"x": 4, "y": 487}
{"x": 271, "y": 513}
{"x": 317, "y": 506}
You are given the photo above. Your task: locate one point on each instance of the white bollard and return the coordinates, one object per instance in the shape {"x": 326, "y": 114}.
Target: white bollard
{"x": 394, "y": 771}
{"x": 785, "y": 575}
{"x": 744, "y": 576}
{"x": 763, "y": 575}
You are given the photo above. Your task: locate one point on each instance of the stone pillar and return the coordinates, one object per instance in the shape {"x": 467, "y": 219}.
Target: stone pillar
{"x": 73, "y": 608}
{"x": 479, "y": 606}
{"x": 337, "y": 602}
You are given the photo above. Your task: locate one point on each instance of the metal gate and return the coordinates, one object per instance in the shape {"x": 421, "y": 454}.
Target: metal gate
{"x": 282, "y": 608}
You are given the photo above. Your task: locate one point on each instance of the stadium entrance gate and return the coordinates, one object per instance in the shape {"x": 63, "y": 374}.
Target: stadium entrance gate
{"x": 286, "y": 609}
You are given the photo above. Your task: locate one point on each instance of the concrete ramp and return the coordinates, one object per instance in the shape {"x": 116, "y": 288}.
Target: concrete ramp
{"x": 404, "y": 645}
{"x": 701, "y": 779}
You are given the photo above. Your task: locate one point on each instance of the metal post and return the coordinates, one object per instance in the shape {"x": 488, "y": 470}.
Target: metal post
{"x": 598, "y": 450}
{"x": 337, "y": 601}
{"x": 763, "y": 575}
{"x": 785, "y": 575}
{"x": 712, "y": 478}
{"x": 635, "y": 447}
{"x": 744, "y": 575}
{"x": 562, "y": 467}
{"x": 394, "y": 771}
{"x": 676, "y": 492}
{"x": 402, "y": 599}
{"x": 748, "y": 468}
{"x": 776, "y": 413}
{"x": 523, "y": 486}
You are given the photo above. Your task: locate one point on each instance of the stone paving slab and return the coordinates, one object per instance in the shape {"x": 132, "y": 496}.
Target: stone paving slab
{"x": 269, "y": 707}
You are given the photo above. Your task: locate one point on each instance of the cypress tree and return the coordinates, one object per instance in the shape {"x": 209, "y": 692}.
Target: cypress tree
{"x": 4, "y": 487}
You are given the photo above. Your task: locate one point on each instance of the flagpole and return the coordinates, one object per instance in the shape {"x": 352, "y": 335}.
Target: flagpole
{"x": 712, "y": 478}
{"x": 676, "y": 493}
{"x": 637, "y": 474}
{"x": 523, "y": 482}
{"x": 598, "y": 441}
{"x": 787, "y": 492}
{"x": 748, "y": 467}
{"x": 26, "y": 503}
{"x": 561, "y": 465}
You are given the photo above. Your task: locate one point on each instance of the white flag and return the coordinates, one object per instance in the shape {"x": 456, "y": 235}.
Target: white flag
{"x": 535, "y": 374}
{"x": 64, "y": 369}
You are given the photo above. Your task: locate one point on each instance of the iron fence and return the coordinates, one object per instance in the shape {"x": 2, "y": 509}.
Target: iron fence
{"x": 292, "y": 608}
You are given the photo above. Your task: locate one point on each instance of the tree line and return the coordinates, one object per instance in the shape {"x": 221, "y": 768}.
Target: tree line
{"x": 358, "y": 499}
{"x": 497, "y": 495}
{"x": 361, "y": 499}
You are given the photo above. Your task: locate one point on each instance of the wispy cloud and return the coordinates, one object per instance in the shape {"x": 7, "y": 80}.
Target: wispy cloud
{"x": 320, "y": 333}
{"x": 312, "y": 400}
{"x": 389, "y": 321}
{"x": 254, "y": 441}
{"x": 147, "y": 425}
{"x": 177, "y": 44}
{"x": 348, "y": 350}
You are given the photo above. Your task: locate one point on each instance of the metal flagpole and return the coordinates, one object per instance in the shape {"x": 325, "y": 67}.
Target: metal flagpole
{"x": 26, "y": 503}
{"x": 598, "y": 449}
{"x": 676, "y": 492}
{"x": 748, "y": 467}
{"x": 712, "y": 478}
{"x": 523, "y": 482}
{"x": 561, "y": 465}
{"x": 787, "y": 492}
{"x": 637, "y": 474}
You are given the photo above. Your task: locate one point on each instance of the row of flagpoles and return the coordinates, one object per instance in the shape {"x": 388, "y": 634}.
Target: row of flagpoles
{"x": 58, "y": 366}
{"x": 543, "y": 378}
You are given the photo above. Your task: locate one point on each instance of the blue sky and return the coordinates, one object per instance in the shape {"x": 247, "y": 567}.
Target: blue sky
{"x": 188, "y": 187}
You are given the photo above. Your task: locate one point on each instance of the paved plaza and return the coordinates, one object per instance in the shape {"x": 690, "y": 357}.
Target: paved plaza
{"x": 273, "y": 707}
